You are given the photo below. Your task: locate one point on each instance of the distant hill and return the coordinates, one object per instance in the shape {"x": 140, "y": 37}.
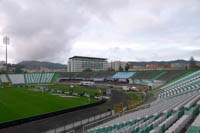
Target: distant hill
{"x": 159, "y": 63}
{"x": 37, "y": 64}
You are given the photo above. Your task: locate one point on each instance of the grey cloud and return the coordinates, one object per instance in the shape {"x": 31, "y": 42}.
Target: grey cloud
{"x": 195, "y": 53}
{"x": 48, "y": 29}
{"x": 41, "y": 30}
{"x": 131, "y": 54}
{"x": 103, "y": 8}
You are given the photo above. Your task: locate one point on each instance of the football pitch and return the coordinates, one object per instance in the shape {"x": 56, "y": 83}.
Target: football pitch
{"x": 17, "y": 103}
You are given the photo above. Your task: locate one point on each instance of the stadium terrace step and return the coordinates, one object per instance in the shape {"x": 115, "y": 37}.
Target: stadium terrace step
{"x": 181, "y": 123}
{"x": 4, "y": 78}
{"x": 17, "y": 78}
{"x": 182, "y": 80}
{"x": 195, "y": 126}
{"x": 46, "y": 78}
{"x": 186, "y": 84}
{"x": 146, "y": 74}
{"x": 28, "y": 78}
{"x": 170, "y": 75}
{"x": 160, "y": 115}
{"x": 33, "y": 78}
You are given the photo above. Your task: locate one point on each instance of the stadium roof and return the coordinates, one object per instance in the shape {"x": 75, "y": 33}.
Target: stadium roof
{"x": 84, "y": 57}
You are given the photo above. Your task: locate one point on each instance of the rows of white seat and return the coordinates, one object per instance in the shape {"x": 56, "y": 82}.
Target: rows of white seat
{"x": 195, "y": 126}
{"x": 194, "y": 84}
{"x": 175, "y": 122}
{"x": 29, "y": 78}
{"x": 161, "y": 127}
{"x": 4, "y": 78}
{"x": 33, "y": 78}
{"x": 161, "y": 107}
{"x": 182, "y": 80}
{"x": 46, "y": 77}
{"x": 17, "y": 78}
{"x": 178, "y": 91}
{"x": 179, "y": 99}
{"x": 196, "y": 122}
{"x": 191, "y": 82}
{"x": 141, "y": 125}
{"x": 191, "y": 85}
{"x": 181, "y": 123}
{"x": 36, "y": 78}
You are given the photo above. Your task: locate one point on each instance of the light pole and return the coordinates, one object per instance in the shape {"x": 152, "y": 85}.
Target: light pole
{"x": 6, "y": 41}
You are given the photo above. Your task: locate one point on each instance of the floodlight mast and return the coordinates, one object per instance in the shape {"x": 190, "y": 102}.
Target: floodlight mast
{"x": 6, "y": 41}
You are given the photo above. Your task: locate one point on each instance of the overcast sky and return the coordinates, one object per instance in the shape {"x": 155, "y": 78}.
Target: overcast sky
{"x": 130, "y": 30}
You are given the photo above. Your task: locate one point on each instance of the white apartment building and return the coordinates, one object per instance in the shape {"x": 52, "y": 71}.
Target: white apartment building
{"x": 80, "y": 63}
{"x": 116, "y": 65}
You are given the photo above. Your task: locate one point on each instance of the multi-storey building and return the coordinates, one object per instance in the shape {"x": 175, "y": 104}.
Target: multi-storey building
{"x": 80, "y": 63}
{"x": 117, "y": 64}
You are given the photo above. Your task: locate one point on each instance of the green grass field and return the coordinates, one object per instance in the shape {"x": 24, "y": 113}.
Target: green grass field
{"x": 76, "y": 89}
{"x": 17, "y": 103}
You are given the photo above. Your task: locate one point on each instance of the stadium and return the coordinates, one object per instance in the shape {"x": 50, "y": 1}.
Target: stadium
{"x": 57, "y": 102}
{"x": 99, "y": 66}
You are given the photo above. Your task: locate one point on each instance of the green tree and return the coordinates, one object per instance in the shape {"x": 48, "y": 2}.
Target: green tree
{"x": 193, "y": 64}
{"x": 120, "y": 68}
{"x": 127, "y": 67}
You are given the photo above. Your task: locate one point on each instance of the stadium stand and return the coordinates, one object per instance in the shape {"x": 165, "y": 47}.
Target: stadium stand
{"x": 170, "y": 75}
{"x": 55, "y": 77}
{"x": 37, "y": 78}
{"x": 85, "y": 75}
{"x": 184, "y": 85}
{"x": 17, "y": 78}
{"x": 170, "y": 114}
{"x": 4, "y": 78}
{"x": 123, "y": 75}
{"x": 177, "y": 83}
{"x": 68, "y": 75}
{"x": 104, "y": 75}
{"x": 195, "y": 126}
{"x": 146, "y": 74}
{"x": 181, "y": 123}
{"x": 155, "y": 119}
{"x": 159, "y": 75}
{"x": 33, "y": 78}
{"x": 28, "y": 78}
{"x": 46, "y": 77}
